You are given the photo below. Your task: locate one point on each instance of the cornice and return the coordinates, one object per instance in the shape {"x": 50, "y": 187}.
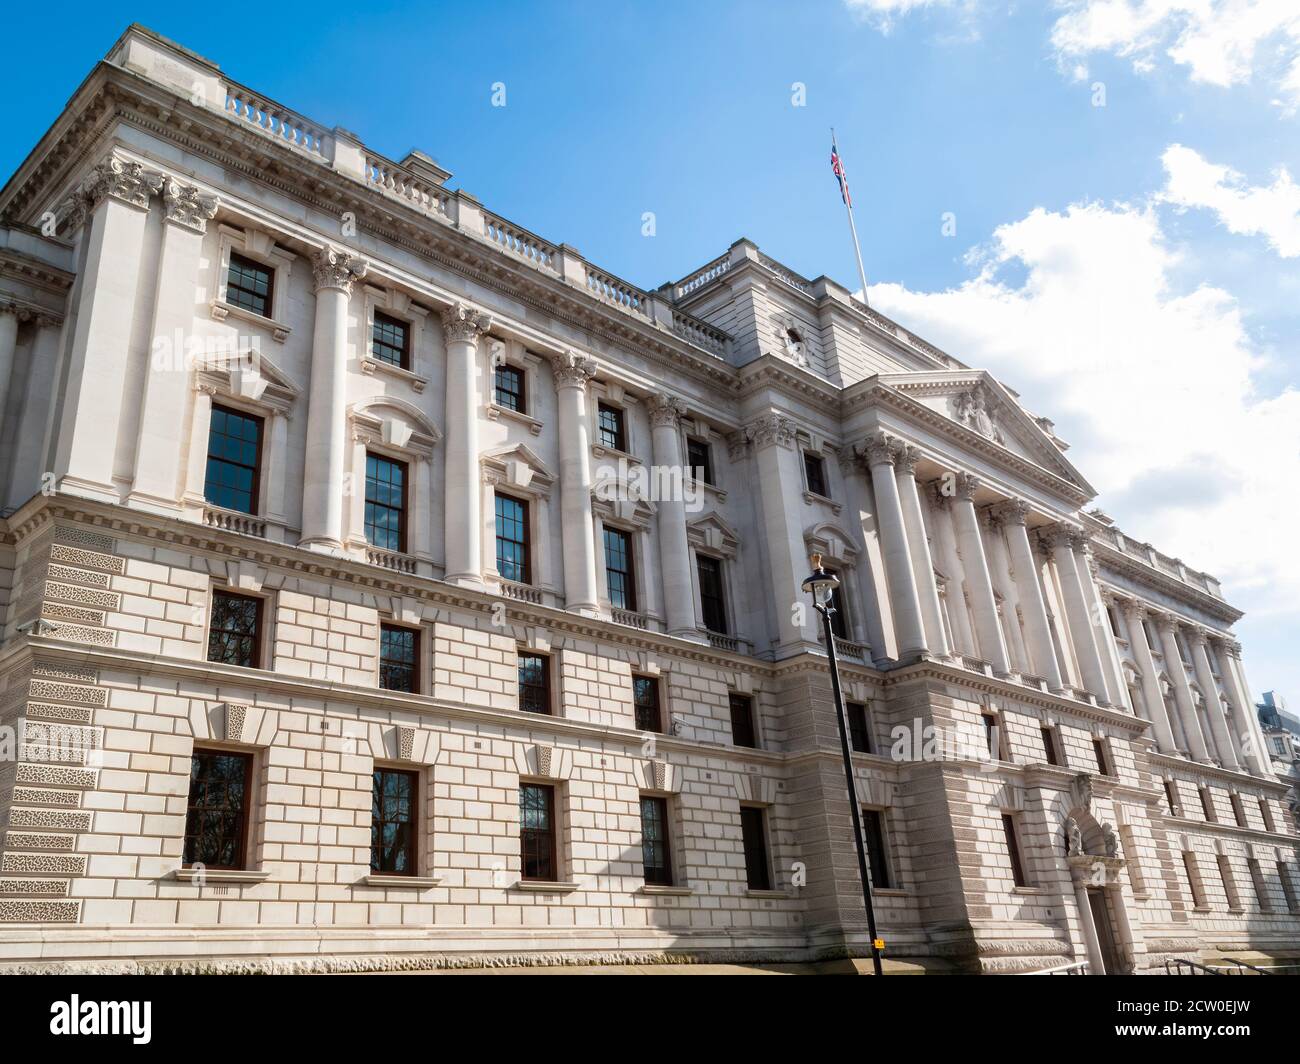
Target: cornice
{"x": 1197, "y": 769}
{"x": 1116, "y": 560}
{"x": 35, "y": 272}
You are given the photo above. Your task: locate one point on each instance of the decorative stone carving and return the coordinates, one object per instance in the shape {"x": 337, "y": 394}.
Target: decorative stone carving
{"x": 1110, "y": 841}
{"x": 123, "y": 180}
{"x": 771, "y": 429}
{"x": 461, "y": 321}
{"x": 572, "y": 370}
{"x": 880, "y": 449}
{"x": 186, "y": 205}
{"x": 1010, "y": 512}
{"x": 906, "y": 460}
{"x": 665, "y": 409}
{"x": 332, "y": 268}
{"x": 972, "y": 410}
{"x": 1074, "y": 837}
{"x": 966, "y": 486}
{"x": 737, "y": 445}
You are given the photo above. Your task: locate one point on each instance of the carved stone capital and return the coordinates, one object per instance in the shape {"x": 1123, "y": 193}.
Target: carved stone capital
{"x": 1059, "y": 536}
{"x": 737, "y": 445}
{"x": 665, "y": 409}
{"x": 771, "y": 429}
{"x": 880, "y": 449}
{"x": 332, "y": 268}
{"x": 186, "y": 205}
{"x": 123, "y": 180}
{"x": 966, "y": 487}
{"x": 906, "y": 460}
{"x": 572, "y": 370}
{"x": 1010, "y": 511}
{"x": 461, "y": 321}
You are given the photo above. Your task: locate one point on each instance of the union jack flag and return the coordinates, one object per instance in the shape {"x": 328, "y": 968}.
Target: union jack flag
{"x": 838, "y": 168}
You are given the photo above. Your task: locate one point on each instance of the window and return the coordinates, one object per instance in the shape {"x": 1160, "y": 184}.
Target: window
{"x": 385, "y": 503}
{"x": 235, "y": 636}
{"x": 1193, "y": 880}
{"x": 619, "y": 577}
{"x": 1051, "y": 747}
{"x": 249, "y": 285}
{"x": 645, "y": 701}
{"x": 1267, "y": 814}
{"x": 742, "y": 721}
{"x": 610, "y": 429}
{"x": 390, "y": 341}
{"x": 873, "y": 835}
{"x": 1207, "y": 806}
{"x": 513, "y": 554}
{"x": 1258, "y": 885}
{"x": 534, "y": 683}
{"x": 1102, "y": 753}
{"x": 859, "y": 727}
{"x": 655, "y": 852}
{"x": 814, "y": 468}
{"x": 1238, "y": 810}
{"x": 753, "y": 830}
{"x": 839, "y": 622}
{"x": 992, "y": 735}
{"x": 216, "y": 817}
{"x": 699, "y": 459}
{"x": 393, "y": 805}
{"x": 1288, "y": 888}
{"x": 399, "y": 658}
{"x": 234, "y": 458}
{"x": 1229, "y": 882}
{"x": 537, "y": 832}
{"x": 712, "y": 605}
{"x": 508, "y": 388}
{"x": 1171, "y": 797}
{"x": 1011, "y": 832}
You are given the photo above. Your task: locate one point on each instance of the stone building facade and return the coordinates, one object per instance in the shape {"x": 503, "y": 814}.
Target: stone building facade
{"x": 383, "y": 584}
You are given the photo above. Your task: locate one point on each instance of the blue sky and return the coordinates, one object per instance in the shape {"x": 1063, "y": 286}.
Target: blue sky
{"x": 1103, "y": 264}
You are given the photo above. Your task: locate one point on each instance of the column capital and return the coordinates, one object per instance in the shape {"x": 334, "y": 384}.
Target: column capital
{"x": 461, "y": 321}
{"x": 1197, "y": 635}
{"x": 880, "y": 449}
{"x": 665, "y": 409}
{"x": 121, "y": 179}
{"x": 572, "y": 370}
{"x": 966, "y": 487}
{"x": 1059, "y": 536}
{"x": 906, "y": 459}
{"x": 770, "y": 428}
{"x": 332, "y": 268}
{"x": 187, "y": 206}
{"x": 1010, "y": 511}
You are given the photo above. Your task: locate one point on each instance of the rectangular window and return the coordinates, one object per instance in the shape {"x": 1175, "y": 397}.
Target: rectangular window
{"x": 513, "y": 553}
{"x": 1103, "y": 757}
{"x": 1193, "y": 880}
{"x": 385, "y": 503}
{"x": 508, "y": 388}
{"x": 216, "y": 817}
{"x": 537, "y": 832}
{"x": 1171, "y": 797}
{"x": 1288, "y": 888}
{"x": 394, "y": 804}
{"x": 814, "y": 467}
{"x": 1258, "y": 885}
{"x": 1207, "y": 806}
{"x": 753, "y": 830}
{"x": 1238, "y": 810}
{"x": 742, "y": 721}
{"x": 992, "y": 735}
{"x": 390, "y": 341}
{"x": 859, "y": 727}
{"x": 234, "y": 459}
{"x": 1009, "y": 830}
{"x": 1267, "y": 814}
{"x": 399, "y": 658}
{"x": 619, "y": 576}
{"x": 645, "y": 700}
{"x": 1050, "y": 747}
{"x": 873, "y": 835}
{"x": 534, "y": 683}
{"x": 249, "y": 285}
{"x": 235, "y": 635}
{"x": 656, "y": 856}
{"x": 699, "y": 459}
{"x": 712, "y": 605}
{"x": 610, "y": 429}
{"x": 1229, "y": 882}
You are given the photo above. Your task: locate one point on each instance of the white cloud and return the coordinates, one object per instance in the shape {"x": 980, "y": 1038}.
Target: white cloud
{"x": 1221, "y": 42}
{"x": 1271, "y": 211}
{"x": 1153, "y": 387}
{"x": 884, "y": 13}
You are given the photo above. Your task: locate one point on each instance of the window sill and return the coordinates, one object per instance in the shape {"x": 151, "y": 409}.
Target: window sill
{"x": 219, "y": 875}
{"x": 495, "y": 412}
{"x": 601, "y": 451}
{"x": 1031, "y": 891}
{"x": 370, "y": 366}
{"x": 891, "y": 892}
{"x": 811, "y": 497}
{"x": 399, "y": 882}
{"x": 538, "y": 886}
{"x": 221, "y": 310}
{"x": 660, "y": 890}
{"x": 769, "y": 895}
{"x": 712, "y": 489}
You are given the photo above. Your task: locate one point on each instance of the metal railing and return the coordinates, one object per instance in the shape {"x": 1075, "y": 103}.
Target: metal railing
{"x": 1179, "y": 966}
{"x": 1075, "y": 968}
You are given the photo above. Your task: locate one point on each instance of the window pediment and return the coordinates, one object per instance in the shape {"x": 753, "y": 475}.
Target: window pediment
{"x": 711, "y": 533}
{"x": 393, "y": 423}
{"x": 518, "y": 467}
{"x": 832, "y": 542}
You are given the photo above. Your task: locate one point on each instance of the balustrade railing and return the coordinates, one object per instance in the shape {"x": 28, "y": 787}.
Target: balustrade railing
{"x": 611, "y": 289}
{"x": 701, "y": 277}
{"x": 387, "y": 559}
{"x": 521, "y": 592}
{"x": 394, "y": 180}
{"x": 528, "y": 246}
{"x": 234, "y": 521}
{"x": 284, "y": 125}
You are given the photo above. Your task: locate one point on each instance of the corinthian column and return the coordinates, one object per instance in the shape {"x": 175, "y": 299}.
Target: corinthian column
{"x": 463, "y": 327}
{"x": 326, "y": 456}
{"x": 1038, "y": 631}
{"x": 1182, "y": 690}
{"x": 1151, "y": 693}
{"x": 674, "y": 550}
{"x": 1061, "y": 540}
{"x": 1245, "y": 719}
{"x": 572, "y": 372}
{"x": 899, "y": 572}
{"x": 1213, "y": 707}
{"x": 963, "y": 639}
{"x": 8, "y": 343}
{"x": 993, "y": 647}
{"x": 919, "y": 548}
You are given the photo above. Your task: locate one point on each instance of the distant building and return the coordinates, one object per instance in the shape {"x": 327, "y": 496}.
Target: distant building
{"x": 1282, "y": 741}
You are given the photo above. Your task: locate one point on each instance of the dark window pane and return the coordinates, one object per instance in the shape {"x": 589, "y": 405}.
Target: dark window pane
{"x": 655, "y": 850}
{"x": 393, "y": 818}
{"x": 513, "y": 562}
{"x": 742, "y": 721}
{"x": 609, "y": 427}
{"x": 234, "y": 635}
{"x": 873, "y": 835}
{"x": 385, "y": 503}
{"x": 712, "y": 604}
{"x": 390, "y": 341}
{"x": 216, "y": 819}
{"x": 758, "y": 874}
{"x": 399, "y": 658}
{"x": 992, "y": 736}
{"x": 509, "y": 388}
{"x": 859, "y": 729}
{"x": 699, "y": 458}
{"x": 1103, "y": 757}
{"x": 534, "y": 683}
{"x": 815, "y": 470}
{"x": 645, "y": 700}
{"x": 234, "y": 457}
{"x": 619, "y": 576}
{"x": 537, "y": 832}
{"x": 248, "y": 285}
{"x": 1049, "y": 747}
{"x": 1013, "y": 850}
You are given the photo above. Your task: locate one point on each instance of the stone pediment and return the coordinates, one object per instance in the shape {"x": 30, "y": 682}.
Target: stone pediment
{"x": 713, "y": 533}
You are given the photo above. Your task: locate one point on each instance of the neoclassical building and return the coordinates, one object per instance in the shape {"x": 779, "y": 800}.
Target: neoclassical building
{"x": 385, "y": 585}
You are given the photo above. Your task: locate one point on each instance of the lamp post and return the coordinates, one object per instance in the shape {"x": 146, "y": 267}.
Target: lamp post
{"x": 821, "y": 586}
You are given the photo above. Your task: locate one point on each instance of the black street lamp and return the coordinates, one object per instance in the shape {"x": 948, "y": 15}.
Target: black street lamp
{"x": 821, "y": 586}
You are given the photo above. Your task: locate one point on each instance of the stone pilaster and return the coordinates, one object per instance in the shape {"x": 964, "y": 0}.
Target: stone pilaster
{"x": 918, "y": 545}
{"x": 905, "y": 602}
{"x": 1182, "y": 690}
{"x": 463, "y": 328}
{"x": 674, "y": 549}
{"x": 1151, "y": 693}
{"x": 1062, "y": 541}
{"x": 1013, "y": 515}
{"x": 993, "y": 648}
{"x": 572, "y": 372}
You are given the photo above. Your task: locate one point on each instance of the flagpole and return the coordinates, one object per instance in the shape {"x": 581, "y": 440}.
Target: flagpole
{"x": 853, "y": 229}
